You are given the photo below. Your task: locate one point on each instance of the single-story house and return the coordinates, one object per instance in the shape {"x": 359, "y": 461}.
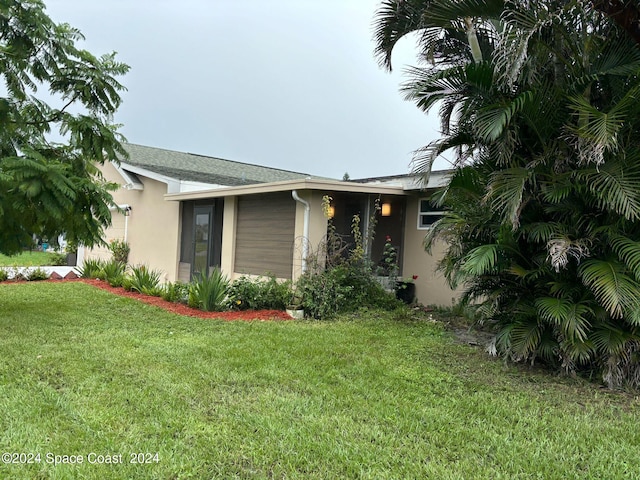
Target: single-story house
{"x": 184, "y": 214}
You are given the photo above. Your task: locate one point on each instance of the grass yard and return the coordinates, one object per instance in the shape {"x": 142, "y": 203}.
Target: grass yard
{"x": 87, "y": 373}
{"x": 28, "y": 259}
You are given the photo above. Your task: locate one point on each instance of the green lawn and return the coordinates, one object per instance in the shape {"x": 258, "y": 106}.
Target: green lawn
{"x": 28, "y": 259}
{"x": 85, "y": 372}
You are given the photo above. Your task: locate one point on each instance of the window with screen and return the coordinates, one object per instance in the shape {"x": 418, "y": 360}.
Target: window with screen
{"x": 426, "y": 215}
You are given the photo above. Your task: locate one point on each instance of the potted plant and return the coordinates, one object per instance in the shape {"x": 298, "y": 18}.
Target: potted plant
{"x": 406, "y": 289}
{"x": 295, "y": 309}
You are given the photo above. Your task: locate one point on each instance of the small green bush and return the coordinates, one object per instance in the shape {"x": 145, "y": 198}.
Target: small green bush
{"x": 343, "y": 288}
{"x": 259, "y": 293}
{"x": 35, "y": 274}
{"x": 113, "y": 272}
{"x": 177, "y": 292}
{"x": 209, "y": 293}
{"x": 322, "y": 296}
{"x": 18, "y": 274}
{"x": 91, "y": 268}
{"x": 4, "y": 275}
{"x": 58, "y": 259}
{"x": 144, "y": 280}
{"x": 120, "y": 250}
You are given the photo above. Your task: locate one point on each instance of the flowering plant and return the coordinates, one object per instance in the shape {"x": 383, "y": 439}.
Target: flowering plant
{"x": 390, "y": 258}
{"x": 402, "y": 283}
{"x": 410, "y": 279}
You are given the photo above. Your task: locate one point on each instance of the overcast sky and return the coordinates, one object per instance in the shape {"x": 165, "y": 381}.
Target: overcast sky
{"x": 290, "y": 84}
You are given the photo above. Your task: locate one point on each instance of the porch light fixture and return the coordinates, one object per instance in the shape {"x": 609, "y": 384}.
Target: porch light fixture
{"x": 386, "y": 210}
{"x": 331, "y": 211}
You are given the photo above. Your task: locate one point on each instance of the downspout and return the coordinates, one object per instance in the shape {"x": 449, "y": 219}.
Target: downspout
{"x": 126, "y": 223}
{"x": 126, "y": 209}
{"x": 305, "y": 228}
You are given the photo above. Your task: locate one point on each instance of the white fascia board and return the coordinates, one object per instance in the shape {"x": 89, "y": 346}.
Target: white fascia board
{"x": 439, "y": 179}
{"x": 190, "y": 186}
{"x": 412, "y": 182}
{"x": 288, "y": 185}
{"x": 130, "y": 183}
{"x": 173, "y": 184}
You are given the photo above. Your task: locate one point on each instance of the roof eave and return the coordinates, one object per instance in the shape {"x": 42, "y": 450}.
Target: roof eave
{"x": 288, "y": 185}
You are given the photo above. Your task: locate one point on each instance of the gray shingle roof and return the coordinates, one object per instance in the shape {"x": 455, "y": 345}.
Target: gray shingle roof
{"x": 200, "y": 168}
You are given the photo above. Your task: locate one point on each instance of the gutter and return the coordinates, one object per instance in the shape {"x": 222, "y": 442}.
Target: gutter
{"x": 305, "y": 234}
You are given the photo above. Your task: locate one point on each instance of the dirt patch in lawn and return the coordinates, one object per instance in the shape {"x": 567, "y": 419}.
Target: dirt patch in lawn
{"x": 181, "y": 309}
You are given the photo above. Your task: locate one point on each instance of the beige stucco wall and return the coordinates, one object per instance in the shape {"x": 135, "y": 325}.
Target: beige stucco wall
{"x": 152, "y": 229}
{"x": 431, "y": 287}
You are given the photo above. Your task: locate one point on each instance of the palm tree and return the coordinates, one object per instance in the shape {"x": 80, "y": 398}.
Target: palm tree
{"x": 544, "y": 203}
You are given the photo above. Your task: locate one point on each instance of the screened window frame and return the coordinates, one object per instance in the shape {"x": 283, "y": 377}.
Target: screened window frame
{"x": 422, "y": 213}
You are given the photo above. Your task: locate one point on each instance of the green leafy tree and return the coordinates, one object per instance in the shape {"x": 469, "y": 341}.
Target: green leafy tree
{"x": 47, "y": 186}
{"x": 544, "y": 202}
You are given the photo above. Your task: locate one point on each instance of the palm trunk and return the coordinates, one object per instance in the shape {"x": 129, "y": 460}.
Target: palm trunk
{"x": 473, "y": 40}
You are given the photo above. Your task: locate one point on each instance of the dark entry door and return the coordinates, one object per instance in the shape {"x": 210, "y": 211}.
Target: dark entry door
{"x": 202, "y": 236}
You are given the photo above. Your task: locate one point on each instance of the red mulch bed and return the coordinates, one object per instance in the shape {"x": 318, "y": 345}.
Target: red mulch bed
{"x": 181, "y": 309}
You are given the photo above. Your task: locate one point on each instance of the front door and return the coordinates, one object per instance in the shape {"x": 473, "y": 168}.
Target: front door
{"x": 203, "y": 224}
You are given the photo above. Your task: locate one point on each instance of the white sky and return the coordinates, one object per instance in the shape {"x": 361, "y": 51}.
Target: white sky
{"x": 290, "y": 84}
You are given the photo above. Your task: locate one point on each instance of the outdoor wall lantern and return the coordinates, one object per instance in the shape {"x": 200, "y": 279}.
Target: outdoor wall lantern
{"x": 331, "y": 211}
{"x": 386, "y": 209}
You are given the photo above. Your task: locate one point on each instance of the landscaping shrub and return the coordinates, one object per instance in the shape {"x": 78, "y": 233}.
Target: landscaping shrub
{"x": 177, "y": 292}
{"x": 144, "y": 280}
{"x": 18, "y": 274}
{"x": 259, "y": 293}
{"x": 91, "y": 268}
{"x": 209, "y": 293}
{"x": 4, "y": 275}
{"x": 342, "y": 288}
{"x": 113, "y": 272}
{"x": 322, "y": 296}
{"x": 58, "y": 259}
{"x": 120, "y": 250}
{"x": 35, "y": 274}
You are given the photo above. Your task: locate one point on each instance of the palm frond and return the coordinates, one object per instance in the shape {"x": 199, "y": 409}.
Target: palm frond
{"x": 424, "y": 157}
{"x": 519, "y": 26}
{"x": 542, "y": 232}
{"x": 571, "y": 317}
{"x": 628, "y": 251}
{"x": 617, "y": 57}
{"x": 577, "y": 352}
{"x": 616, "y": 291}
{"x": 616, "y": 188}
{"x": 482, "y": 260}
{"x": 525, "y": 337}
{"x": 610, "y": 339}
{"x": 441, "y": 12}
{"x": 427, "y": 87}
{"x": 392, "y": 21}
{"x": 506, "y": 190}
{"x": 597, "y": 130}
{"x": 492, "y": 121}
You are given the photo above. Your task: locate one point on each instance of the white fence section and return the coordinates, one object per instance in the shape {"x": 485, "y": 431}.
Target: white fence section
{"x": 59, "y": 271}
